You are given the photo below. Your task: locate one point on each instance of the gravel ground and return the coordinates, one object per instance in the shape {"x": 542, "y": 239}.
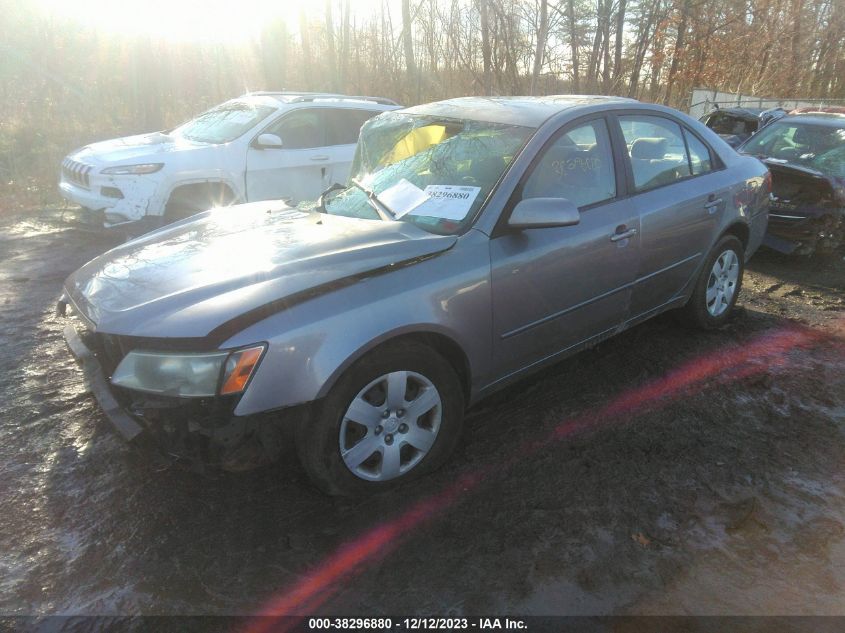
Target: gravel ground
{"x": 667, "y": 471}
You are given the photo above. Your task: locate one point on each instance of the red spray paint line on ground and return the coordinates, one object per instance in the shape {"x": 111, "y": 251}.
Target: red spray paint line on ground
{"x": 321, "y": 583}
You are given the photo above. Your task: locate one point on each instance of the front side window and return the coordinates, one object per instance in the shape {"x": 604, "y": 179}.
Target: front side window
{"x": 224, "y": 123}
{"x": 656, "y": 151}
{"x": 431, "y": 171}
{"x": 577, "y": 166}
{"x": 300, "y": 129}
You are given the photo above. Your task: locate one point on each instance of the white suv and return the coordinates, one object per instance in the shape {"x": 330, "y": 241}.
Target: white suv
{"x": 261, "y": 146}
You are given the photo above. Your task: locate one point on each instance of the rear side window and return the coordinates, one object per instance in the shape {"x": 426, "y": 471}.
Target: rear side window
{"x": 656, "y": 150}
{"x": 577, "y": 166}
{"x": 699, "y": 155}
{"x": 300, "y": 129}
{"x": 344, "y": 125}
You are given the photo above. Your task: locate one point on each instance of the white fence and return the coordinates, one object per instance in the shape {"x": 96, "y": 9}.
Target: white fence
{"x": 703, "y": 100}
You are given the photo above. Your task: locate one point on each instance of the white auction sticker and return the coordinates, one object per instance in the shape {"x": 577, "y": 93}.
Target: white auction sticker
{"x": 403, "y": 197}
{"x": 450, "y": 202}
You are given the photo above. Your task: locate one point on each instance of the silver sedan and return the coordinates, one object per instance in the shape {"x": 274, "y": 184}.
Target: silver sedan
{"x": 478, "y": 240}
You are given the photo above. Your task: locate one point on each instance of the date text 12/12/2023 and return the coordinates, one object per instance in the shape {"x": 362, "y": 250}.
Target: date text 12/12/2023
{"x": 416, "y": 623}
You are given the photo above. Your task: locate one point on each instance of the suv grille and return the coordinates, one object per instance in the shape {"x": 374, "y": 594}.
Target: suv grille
{"x": 76, "y": 173}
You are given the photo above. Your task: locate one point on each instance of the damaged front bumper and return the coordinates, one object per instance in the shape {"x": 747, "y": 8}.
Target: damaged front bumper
{"x": 119, "y": 200}
{"x": 198, "y": 433}
{"x": 128, "y": 428}
{"x": 807, "y": 211}
{"x": 791, "y": 232}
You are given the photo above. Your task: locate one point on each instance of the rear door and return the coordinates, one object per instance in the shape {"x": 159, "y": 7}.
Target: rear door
{"x": 554, "y": 288}
{"x": 680, "y": 197}
{"x": 299, "y": 170}
{"x": 343, "y": 125}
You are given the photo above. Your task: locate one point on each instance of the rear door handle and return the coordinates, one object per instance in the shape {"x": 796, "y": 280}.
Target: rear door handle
{"x": 320, "y": 157}
{"x": 712, "y": 204}
{"x": 616, "y": 237}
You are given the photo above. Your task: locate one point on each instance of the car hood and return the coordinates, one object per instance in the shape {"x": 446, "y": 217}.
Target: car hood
{"x": 193, "y": 278}
{"x": 138, "y": 149}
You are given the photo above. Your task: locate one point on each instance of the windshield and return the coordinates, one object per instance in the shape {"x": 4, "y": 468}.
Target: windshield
{"x": 224, "y": 123}
{"x": 819, "y": 147}
{"x": 431, "y": 171}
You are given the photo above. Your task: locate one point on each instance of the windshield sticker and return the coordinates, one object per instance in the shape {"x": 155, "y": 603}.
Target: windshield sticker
{"x": 403, "y": 197}
{"x": 449, "y": 202}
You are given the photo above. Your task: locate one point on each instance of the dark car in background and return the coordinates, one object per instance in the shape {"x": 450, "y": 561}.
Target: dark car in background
{"x": 734, "y": 125}
{"x": 805, "y": 152}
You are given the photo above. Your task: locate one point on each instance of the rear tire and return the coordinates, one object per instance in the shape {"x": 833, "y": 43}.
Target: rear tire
{"x": 391, "y": 440}
{"x": 718, "y": 285}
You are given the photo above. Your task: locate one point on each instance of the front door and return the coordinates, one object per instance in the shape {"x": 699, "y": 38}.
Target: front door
{"x": 300, "y": 169}
{"x": 554, "y": 288}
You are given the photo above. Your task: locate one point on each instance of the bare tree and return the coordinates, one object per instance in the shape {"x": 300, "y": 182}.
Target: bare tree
{"x": 542, "y": 34}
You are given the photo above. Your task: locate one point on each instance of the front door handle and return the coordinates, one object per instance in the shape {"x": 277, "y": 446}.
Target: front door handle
{"x": 616, "y": 237}
{"x": 320, "y": 157}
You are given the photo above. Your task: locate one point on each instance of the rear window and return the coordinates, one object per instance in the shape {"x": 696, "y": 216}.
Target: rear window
{"x": 656, "y": 150}
{"x": 344, "y": 125}
{"x": 723, "y": 123}
{"x": 700, "y": 159}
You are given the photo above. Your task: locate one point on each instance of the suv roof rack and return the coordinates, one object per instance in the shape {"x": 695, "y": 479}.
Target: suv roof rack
{"x": 299, "y": 97}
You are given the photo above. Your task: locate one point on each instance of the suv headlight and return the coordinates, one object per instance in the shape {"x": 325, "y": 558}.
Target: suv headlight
{"x": 188, "y": 375}
{"x": 133, "y": 170}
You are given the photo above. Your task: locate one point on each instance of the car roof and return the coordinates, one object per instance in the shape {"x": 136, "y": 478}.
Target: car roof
{"x": 829, "y": 119}
{"x": 751, "y": 113}
{"x": 302, "y": 97}
{"x": 526, "y": 111}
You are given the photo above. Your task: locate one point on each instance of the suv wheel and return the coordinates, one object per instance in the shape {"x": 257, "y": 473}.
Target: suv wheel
{"x": 718, "y": 285}
{"x": 394, "y": 415}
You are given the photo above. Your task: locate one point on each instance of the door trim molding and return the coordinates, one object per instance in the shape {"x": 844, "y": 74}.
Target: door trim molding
{"x": 560, "y": 313}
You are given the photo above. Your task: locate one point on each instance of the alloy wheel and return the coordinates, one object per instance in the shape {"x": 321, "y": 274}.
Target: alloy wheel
{"x": 390, "y": 425}
{"x": 722, "y": 283}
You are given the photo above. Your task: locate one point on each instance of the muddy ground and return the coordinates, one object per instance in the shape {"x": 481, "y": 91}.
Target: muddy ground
{"x": 681, "y": 487}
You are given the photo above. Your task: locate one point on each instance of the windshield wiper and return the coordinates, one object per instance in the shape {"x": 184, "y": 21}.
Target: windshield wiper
{"x": 385, "y": 212}
{"x": 321, "y": 201}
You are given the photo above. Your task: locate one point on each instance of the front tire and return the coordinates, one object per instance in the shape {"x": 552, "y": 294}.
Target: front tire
{"x": 394, "y": 415}
{"x": 717, "y": 289}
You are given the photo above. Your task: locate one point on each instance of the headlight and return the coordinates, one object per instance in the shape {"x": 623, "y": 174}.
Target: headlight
{"x": 133, "y": 170}
{"x": 188, "y": 375}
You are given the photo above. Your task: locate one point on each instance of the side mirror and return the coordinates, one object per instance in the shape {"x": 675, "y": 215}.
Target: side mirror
{"x": 267, "y": 141}
{"x": 538, "y": 213}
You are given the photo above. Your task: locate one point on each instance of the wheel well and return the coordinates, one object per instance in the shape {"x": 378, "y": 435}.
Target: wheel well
{"x": 447, "y": 348}
{"x": 199, "y": 190}
{"x": 740, "y": 231}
